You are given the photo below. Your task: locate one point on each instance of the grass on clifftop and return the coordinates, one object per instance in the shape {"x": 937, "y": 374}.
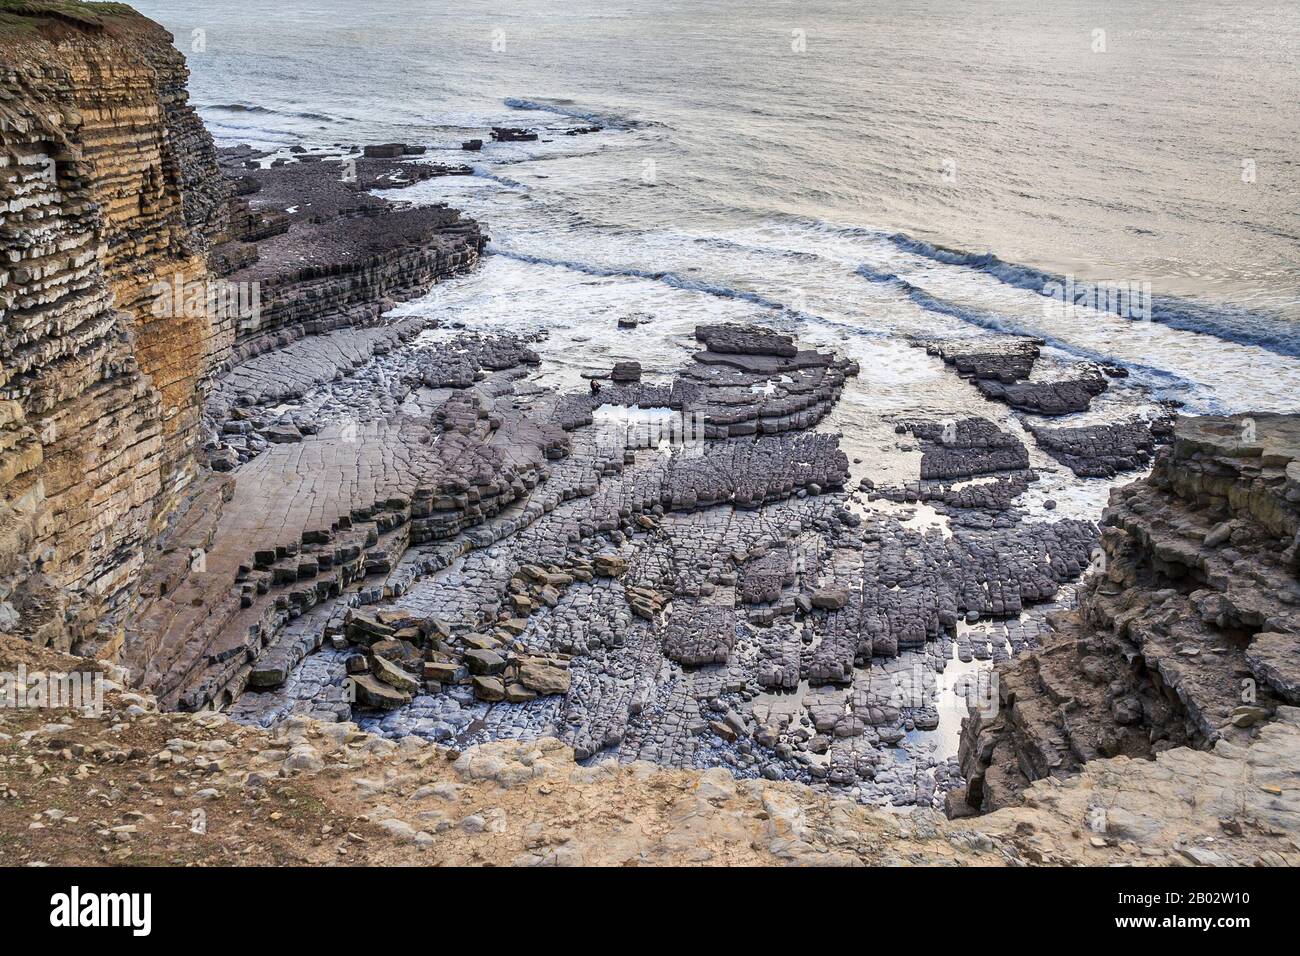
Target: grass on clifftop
{"x": 28, "y": 14}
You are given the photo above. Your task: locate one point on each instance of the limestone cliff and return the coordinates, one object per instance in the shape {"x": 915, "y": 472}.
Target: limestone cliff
{"x": 109, "y": 183}
{"x": 125, "y": 241}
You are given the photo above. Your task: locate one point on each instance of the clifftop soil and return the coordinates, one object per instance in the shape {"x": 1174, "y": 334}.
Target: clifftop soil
{"x": 128, "y": 788}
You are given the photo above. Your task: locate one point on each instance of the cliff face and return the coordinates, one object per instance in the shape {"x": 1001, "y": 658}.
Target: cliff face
{"x": 1188, "y": 632}
{"x": 136, "y": 276}
{"x": 108, "y": 184}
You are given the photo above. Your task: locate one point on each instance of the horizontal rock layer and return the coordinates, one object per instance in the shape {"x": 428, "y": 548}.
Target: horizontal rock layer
{"x": 108, "y": 181}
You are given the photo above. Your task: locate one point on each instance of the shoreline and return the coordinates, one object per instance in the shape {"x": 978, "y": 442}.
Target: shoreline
{"x": 449, "y": 712}
{"x": 372, "y": 512}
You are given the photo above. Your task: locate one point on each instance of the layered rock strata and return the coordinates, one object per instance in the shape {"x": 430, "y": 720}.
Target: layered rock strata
{"x": 152, "y": 295}
{"x": 1001, "y": 368}
{"x": 1102, "y": 451}
{"x": 964, "y": 449}
{"x": 672, "y": 591}
{"x": 1187, "y": 630}
{"x": 402, "y": 529}
{"x": 109, "y": 183}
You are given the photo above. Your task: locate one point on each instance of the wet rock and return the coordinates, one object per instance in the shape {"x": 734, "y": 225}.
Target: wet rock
{"x": 700, "y": 635}
{"x": 513, "y": 134}
{"x": 966, "y": 448}
{"x": 1002, "y": 358}
{"x": 626, "y": 372}
{"x": 1102, "y": 451}
{"x": 1047, "y": 398}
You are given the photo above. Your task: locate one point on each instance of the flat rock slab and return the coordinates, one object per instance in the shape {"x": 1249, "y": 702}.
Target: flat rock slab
{"x": 1102, "y": 451}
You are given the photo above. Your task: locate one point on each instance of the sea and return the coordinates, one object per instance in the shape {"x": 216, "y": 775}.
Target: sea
{"x": 863, "y": 172}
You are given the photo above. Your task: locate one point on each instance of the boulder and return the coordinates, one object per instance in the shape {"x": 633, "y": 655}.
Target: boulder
{"x": 609, "y": 566}
{"x": 544, "y": 677}
{"x": 517, "y": 693}
{"x": 489, "y": 688}
{"x": 282, "y": 434}
{"x": 484, "y": 662}
{"x": 388, "y": 672}
{"x": 372, "y": 692}
{"x": 482, "y": 642}
{"x": 830, "y": 599}
{"x": 443, "y": 672}
{"x": 722, "y": 730}
{"x": 626, "y": 372}
{"x": 363, "y": 627}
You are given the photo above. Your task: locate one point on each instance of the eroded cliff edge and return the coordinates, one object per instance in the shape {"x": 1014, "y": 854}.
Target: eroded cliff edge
{"x": 109, "y": 182}
{"x": 1186, "y": 642}
{"x": 176, "y": 789}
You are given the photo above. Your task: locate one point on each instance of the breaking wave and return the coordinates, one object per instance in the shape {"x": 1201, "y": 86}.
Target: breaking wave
{"x": 266, "y": 111}
{"x": 1265, "y": 330}
{"x": 1005, "y": 325}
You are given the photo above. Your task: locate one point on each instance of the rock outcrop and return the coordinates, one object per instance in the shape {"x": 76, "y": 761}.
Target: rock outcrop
{"x": 1188, "y": 628}
{"x": 110, "y": 184}
{"x": 1001, "y": 368}
{"x": 1102, "y": 451}
{"x": 325, "y": 253}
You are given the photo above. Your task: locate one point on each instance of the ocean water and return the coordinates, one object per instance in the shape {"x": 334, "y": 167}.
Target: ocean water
{"x": 864, "y": 174}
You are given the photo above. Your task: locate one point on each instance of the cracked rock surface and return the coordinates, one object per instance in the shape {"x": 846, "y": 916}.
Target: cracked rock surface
{"x": 702, "y": 593}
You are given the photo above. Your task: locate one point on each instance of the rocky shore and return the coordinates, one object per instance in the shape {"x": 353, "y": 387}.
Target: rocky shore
{"x": 1185, "y": 634}
{"x": 694, "y": 588}
{"x": 416, "y": 576}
